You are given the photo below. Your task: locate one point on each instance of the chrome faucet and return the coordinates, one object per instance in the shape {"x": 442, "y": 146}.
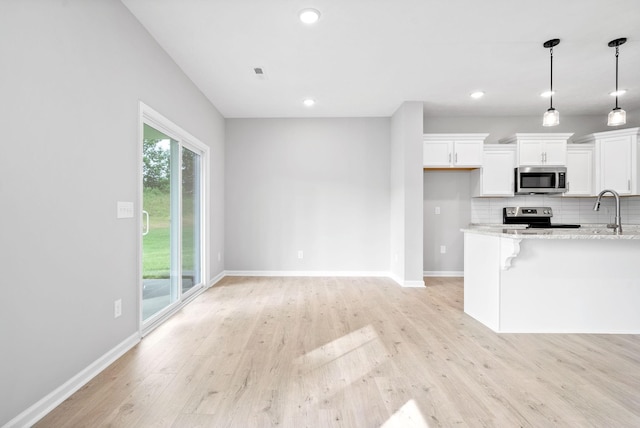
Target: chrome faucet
{"x": 617, "y": 227}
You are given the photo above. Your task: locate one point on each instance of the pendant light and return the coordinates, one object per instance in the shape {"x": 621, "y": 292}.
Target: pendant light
{"x": 551, "y": 116}
{"x": 617, "y": 116}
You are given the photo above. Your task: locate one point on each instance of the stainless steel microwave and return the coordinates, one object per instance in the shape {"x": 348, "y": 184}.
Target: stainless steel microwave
{"x": 540, "y": 179}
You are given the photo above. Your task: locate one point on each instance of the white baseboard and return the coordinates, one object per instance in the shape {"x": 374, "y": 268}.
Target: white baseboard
{"x": 305, "y": 273}
{"x": 40, "y": 409}
{"x": 312, "y": 273}
{"x": 216, "y": 279}
{"x": 444, "y": 273}
{"x": 403, "y": 283}
{"x": 413, "y": 284}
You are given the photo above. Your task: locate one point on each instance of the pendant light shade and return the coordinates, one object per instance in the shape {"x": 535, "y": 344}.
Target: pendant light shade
{"x": 551, "y": 116}
{"x": 617, "y": 116}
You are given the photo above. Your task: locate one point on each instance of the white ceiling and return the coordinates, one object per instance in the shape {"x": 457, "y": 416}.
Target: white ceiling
{"x": 365, "y": 57}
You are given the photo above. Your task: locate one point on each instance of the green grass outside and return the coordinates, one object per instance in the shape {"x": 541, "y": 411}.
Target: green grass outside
{"x": 155, "y": 245}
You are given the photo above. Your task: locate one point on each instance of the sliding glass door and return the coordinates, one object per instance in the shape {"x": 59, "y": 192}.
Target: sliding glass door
{"x": 159, "y": 280}
{"x": 172, "y": 223}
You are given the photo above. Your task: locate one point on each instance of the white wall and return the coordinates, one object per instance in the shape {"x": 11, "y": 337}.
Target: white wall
{"x": 316, "y": 185}
{"x": 450, "y": 191}
{"x": 73, "y": 73}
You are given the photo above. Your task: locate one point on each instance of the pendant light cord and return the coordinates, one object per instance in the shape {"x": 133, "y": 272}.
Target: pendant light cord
{"x": 551, "y": 89}
{"x": 617, "y": 77}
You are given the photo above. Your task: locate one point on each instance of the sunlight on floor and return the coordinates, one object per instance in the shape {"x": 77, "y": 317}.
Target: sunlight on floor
{"x": 335, "y": 366}
{"x": 408, "y": 416}
{"x": 345, "y": 361}
{"x": 341, "y": 347}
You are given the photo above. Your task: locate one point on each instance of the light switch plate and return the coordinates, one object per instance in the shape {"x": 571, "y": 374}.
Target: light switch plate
{"x": 125, "y": 209}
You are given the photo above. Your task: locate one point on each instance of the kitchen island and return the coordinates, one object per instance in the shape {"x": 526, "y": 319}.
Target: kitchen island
{"x": 583, "y": 280}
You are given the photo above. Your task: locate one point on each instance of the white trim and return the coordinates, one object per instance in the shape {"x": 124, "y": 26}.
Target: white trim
{"x": 395, "y": 278}
{"x": 402, "y": 283}
{"x": 444, "y": 273}
{"x": 312, "y": 273}
{"x": 216, "y": 279}
{"x": 413, "y": 284}
{"x": 43, "y": 406}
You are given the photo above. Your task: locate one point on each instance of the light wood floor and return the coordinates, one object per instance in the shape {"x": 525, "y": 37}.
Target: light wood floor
{"x": 355, "y": 352}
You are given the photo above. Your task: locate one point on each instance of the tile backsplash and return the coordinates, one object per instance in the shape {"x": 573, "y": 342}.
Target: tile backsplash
{"x": 565, "y": 210}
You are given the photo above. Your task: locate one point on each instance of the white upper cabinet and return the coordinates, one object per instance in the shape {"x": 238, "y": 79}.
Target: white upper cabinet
{"x": 616, "y": 160}
{"x": 496, "y": 176}
{"x": 452, "y": 150}
{"x": 580, "y": 170}
{"x": 540, "y": 149}
{"x": 616, "y": 165}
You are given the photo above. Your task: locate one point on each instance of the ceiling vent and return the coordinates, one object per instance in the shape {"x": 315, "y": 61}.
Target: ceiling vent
{"x": 259, "y": 73}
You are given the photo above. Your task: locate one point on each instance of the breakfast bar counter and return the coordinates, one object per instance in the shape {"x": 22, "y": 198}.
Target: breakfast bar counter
{"x": 584, "y": 280}
{"x": 585, "y": 232}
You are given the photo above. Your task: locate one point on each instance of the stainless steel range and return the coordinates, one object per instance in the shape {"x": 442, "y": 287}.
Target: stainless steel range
{"x": 534, "y": 217}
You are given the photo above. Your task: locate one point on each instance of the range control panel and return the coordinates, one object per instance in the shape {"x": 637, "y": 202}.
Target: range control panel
{"x": 527, "y": 212}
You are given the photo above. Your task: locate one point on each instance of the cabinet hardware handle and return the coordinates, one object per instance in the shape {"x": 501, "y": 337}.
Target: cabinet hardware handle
{"x": 449, "y": 157}
{"x": 629, "y": 185}
{"x": 456, "y": 157}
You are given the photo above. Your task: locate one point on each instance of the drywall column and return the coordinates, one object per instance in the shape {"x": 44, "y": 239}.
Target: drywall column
{"x": 406, "y": 195}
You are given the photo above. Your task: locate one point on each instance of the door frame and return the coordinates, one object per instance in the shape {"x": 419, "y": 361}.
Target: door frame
{"x": 149, "y": 116}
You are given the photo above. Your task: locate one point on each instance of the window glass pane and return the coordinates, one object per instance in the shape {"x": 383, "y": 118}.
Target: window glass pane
{"x": 190, "y": 219}
{"x": 159, "y": 281}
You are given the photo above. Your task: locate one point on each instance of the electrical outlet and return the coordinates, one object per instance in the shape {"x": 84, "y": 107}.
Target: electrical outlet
{"x": 443, "y": 249}
{"x": 437, "y": 210}
{"x": 300, "y": 254}
{"x": 117, "y": 308}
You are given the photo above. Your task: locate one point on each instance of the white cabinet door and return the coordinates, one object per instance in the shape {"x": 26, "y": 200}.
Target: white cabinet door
{"x": 555, "y": 152}
{"x": 530, "y": 153}
{"x": 615, "y": 164}
{"x": 437, "y": 153}
{"x": 580, "y": 172}
{"x": 467, "y": 153}
{"x": 497, "y": 174}
{"x": 617, "y": 158}
{"x": 452, "y": 150}
{"x": 537, "y": 152}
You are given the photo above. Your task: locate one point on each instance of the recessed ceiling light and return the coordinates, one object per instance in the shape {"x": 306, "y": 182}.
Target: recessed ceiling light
{"x": 309, "y": 16}
{"x": 618, "y": 92}
{"x": 476, "y": 95}
{"x": 309, "y": 102}
{"x": 547, "y": 94}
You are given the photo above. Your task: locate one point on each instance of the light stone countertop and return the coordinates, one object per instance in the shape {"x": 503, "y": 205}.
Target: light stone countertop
{"x": 589, "y": 231}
